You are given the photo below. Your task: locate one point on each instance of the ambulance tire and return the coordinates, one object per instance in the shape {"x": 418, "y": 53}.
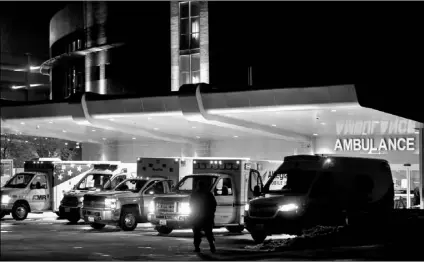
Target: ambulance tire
{"x": 73, "y": 219}
{"x": 97, "y": 225}
{"x": 258, "y": 237}
{"x": 20, "y": 211}
{"x": 128, "y": 221}
{"x": 235, "y": 229}
{"x": 163, "y": 230}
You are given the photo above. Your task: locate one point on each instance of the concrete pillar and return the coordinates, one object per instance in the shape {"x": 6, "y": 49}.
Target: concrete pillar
{"x": 421, "y": 159}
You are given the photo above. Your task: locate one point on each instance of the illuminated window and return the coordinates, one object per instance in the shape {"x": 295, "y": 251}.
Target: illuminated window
{"x": 189, "y": 25}
{"x": 189, "y": 43}
{"x": 189, "y": 69}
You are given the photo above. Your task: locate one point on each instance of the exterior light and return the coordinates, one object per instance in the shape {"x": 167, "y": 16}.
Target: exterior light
{"x": 64, "y": 131}
{"x": 22, "y": 123}
{"x": 197, "y": 137}
{"x": 94, "y": 130}
{"x": 274, "y": 125}
{"x": 235, "y": 136}
{"x": 323, "y": 123}
{"x": 104, "y": 138}
{"x": 149, "y": 118}
{"x": 193, "y": 127}
{"x": 66, "y": 144}
{"x": 315, "y": 134}
{"x": 156, "y": 128}
{"x": 334, "y": 110}
{"x": 133, "y": 138}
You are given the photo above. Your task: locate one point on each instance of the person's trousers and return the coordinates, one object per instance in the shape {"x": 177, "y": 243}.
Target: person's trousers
{"x": 197, "y": 234}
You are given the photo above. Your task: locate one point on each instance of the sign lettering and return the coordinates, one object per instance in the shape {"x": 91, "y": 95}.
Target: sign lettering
{"x": 372, "y": 145}
{"x": 39, "y": 197}
{"x": 365, "y": 128}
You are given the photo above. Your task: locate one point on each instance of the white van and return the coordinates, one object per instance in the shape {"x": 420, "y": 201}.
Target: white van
{"x": 319, "y": 190}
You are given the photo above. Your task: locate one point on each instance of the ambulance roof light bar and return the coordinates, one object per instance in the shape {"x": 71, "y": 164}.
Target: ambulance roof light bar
{"x": 200, "y": 158}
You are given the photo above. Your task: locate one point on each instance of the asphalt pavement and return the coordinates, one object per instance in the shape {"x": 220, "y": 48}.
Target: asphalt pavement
{"x": 44, "y": 237}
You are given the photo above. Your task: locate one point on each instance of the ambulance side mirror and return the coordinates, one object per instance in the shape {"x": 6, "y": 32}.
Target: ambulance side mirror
{"x": 256, "y": 191}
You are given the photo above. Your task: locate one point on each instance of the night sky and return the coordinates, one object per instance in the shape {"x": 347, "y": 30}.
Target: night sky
{"x": 27, "y": 25}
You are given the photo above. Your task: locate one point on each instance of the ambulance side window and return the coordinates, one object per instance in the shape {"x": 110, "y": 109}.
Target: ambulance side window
{"x": 224, "y": 187}
{"x": 254, "y": 181}
{"x": 158, "y": 188}
{"x": 39, "y": 182}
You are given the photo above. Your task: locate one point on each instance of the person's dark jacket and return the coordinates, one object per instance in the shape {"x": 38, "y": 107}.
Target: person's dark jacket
{"x": 203, "y": 207}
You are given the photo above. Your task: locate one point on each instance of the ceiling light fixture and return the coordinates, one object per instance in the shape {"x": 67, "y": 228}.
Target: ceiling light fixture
{"x": 197, "y": 137}
{"x": 22, "y": 123}
{"x": 274, "y": 125}
{"x": 315, "y": 134}
{"x": 323, "y": 123}
{"x": 193, "y": 127}
{"x": 156, "y": 128}
{"x": 51, "y": 122}
{"x": 149, "y": 118}
{"x": 334, "y": 110}
{"x": 94, "y": 130}
{"x": 104, "y": 138}
{"x": 235, "y": 136}
{"x": 64, "y": 131}
{"x": 133, "y": 138}
{"x": 111, "y": 119}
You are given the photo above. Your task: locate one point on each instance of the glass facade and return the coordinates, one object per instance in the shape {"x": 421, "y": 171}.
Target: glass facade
{"x": 406, "y": 180}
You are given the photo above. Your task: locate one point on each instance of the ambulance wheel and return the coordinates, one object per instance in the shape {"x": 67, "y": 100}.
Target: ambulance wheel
{"x": 20, "y": 211}
{"x": 235, "y": 229}
{"x": 163, "y": 230}
{"x": 128, "y": 221}
{"x": 97, "y": 225}
{"x": 258, "y": 237}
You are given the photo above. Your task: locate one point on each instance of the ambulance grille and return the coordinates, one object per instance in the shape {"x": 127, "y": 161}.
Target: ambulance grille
{"x": 94, "y": 201}
{"x": 70, "y": 201}
{"x": 263, "y": 211}
{"x": 166, "y": 207}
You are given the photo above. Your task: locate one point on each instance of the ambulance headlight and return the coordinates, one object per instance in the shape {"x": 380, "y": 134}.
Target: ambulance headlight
{"x": 185, "y": 209}
{"x": 81, "y": 199}
{"x": 110, "y": 203}
{"x": 5, "y": 199}
{"x": 152, "y": 207}
{"x": 288, "y": 208}
{"x": 247, "y": 207}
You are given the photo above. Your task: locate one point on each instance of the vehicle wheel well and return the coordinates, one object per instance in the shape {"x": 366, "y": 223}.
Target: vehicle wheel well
{"x": 133, "y": 207}
{"x": 24, "y": 202}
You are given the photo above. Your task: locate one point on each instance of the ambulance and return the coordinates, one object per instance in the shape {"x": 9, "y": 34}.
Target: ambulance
{"x": 41, "y": 186}
{"x": 232, "y": 181}
{"x": 102, "y": 177}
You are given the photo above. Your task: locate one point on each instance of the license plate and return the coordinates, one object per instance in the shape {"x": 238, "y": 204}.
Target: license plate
{"x": 67, "y": 209}
{"x": 90, "y": 219}
{"x": 162, "y": 222}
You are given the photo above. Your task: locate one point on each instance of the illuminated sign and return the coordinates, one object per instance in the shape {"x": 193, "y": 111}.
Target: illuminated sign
{"x": 374, "y": 145}
{"x": 397, "y": 127}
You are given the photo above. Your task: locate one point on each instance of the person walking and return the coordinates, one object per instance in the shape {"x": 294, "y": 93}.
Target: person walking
{"x": 203, "y": 207}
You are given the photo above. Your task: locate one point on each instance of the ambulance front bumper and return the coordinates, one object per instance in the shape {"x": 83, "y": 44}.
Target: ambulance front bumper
{"x": 174, "y": 221}
{"x": 101, "y": 216}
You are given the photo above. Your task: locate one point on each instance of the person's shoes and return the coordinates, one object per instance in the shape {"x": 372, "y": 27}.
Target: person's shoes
{"x": 196, "y": 250}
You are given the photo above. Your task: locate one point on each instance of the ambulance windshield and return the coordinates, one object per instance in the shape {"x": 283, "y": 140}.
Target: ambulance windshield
{"x": 188, "y": 183}
{"x": 295, "y": 181}
{"x": 20, "y": 180}
{"x": 93, "y": 181}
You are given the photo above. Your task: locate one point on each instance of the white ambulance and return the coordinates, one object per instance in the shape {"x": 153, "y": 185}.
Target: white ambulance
{"x": 232, "y": 182}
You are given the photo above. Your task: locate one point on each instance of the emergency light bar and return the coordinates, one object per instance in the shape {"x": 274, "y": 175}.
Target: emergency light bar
{"x": 38, "y": 165}
{"x": 105, "y": 167}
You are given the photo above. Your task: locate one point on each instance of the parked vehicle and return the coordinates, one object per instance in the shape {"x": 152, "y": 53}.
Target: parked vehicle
{"x": 320, "y": 190}
{"x": 232, "y": 182}
{"x": 40, "y": 187}
{"x": 103, "y": 177}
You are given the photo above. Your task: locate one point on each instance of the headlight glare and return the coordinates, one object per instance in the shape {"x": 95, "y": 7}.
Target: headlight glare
{"x": 247, "y": 207}
{"x": 152, "y": 207}
{"x": 5, "y": 199}
{"x": 288, "y": 207}
{"x": 111, "y": 203}
{"x": 185, "y": 208}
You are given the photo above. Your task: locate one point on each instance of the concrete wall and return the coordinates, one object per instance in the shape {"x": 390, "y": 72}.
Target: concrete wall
{"x": 266, "y": 149}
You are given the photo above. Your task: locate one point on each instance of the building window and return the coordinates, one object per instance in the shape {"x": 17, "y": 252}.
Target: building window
{"x": 189, "y": 25}
{"x": 189, "y": 69}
